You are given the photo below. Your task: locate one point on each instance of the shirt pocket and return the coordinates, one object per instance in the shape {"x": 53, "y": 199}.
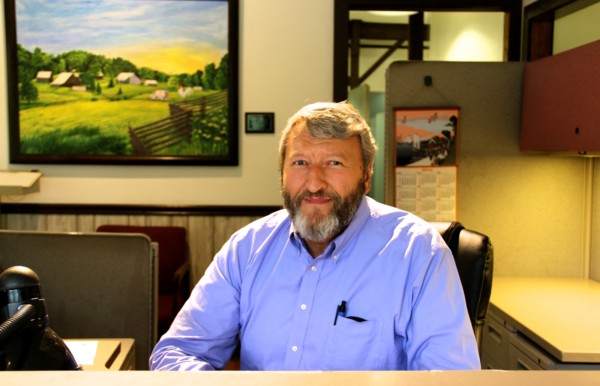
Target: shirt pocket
{"x": 353, "y": 345}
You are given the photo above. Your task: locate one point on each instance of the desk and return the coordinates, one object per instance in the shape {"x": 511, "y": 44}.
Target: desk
{"x": 265, "y": 378}
{"x": 559, "y": 318}
{"x": 109, "y": 354}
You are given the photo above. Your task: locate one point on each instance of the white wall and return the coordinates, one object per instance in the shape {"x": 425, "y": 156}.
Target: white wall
{"x": 576, "y": 29}
{"x": 286, "y": 60}
{"x": 467, "y": 36}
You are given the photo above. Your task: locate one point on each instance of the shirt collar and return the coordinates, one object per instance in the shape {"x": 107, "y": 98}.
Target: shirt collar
{"x": 349, "y": 234}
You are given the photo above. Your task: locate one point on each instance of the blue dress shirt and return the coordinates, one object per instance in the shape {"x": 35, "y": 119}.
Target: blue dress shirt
{"x": 404, "y": 303}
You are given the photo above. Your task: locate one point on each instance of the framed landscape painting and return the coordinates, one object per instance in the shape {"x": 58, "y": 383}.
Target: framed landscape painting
{"x": 123, "y": 82}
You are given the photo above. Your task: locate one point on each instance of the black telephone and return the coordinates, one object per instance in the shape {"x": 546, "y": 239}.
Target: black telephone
{"x": 26, "y": 341}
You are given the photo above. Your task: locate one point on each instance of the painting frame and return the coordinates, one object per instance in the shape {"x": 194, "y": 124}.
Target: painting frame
{"x": 260, "y": 123}
{"x": 222, "y": 150}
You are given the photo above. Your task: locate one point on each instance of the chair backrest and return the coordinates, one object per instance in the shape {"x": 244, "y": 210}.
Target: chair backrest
{"x": 474, "y": 257}
{"x": 172, "y": 248}
{"x": 95, "y": 285}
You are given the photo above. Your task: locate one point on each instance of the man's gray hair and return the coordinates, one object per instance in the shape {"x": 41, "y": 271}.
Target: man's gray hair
{"x": 331, "y": 120}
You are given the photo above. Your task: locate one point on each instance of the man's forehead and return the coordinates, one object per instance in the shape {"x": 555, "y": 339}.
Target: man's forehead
{"x": 303, "y": 135}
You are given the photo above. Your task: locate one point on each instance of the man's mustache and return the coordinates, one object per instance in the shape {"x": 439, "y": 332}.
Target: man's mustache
{"x": 318, "y": 194}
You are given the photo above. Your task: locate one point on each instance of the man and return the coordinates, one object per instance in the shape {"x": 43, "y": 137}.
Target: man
{"x": 335, "y": 281}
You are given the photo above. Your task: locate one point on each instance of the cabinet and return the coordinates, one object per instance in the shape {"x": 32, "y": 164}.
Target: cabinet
{"x": 506, "y": 348}
{"x": 560, "y": 102}
{"x": 495, "y": 342}
{"x": 542, "y": 324}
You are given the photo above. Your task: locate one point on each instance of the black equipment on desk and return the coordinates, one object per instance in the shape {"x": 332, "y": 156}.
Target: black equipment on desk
{"x": 26, "y": 341}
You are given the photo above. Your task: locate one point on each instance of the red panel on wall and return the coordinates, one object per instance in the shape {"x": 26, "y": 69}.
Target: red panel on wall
{"x": 561, "y": 102}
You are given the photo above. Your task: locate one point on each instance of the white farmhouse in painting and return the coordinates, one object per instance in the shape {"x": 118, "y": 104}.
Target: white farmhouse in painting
{"x": 66, "y": 79}
{"x": 44, "y": 76}
{"x": 128, "y": 78}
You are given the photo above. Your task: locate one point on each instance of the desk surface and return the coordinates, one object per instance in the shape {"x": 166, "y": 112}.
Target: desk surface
{"x": 108, "y": 353}
{"x": 257, "y": 378}
{"x": 561, "y": 315}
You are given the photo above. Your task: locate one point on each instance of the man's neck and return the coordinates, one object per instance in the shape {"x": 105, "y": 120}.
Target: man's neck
{"x": 316, "y": 248}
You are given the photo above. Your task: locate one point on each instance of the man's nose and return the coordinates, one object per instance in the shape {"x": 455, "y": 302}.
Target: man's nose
{"x": 316, "y": 179}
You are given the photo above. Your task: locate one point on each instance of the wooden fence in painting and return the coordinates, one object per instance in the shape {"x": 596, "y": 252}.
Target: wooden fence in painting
{"x": 177, "y": 127}
{"x": 201, "y": 106}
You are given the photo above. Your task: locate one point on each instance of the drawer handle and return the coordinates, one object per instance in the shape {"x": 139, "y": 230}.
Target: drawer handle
{"x": 495, "y": 334}
{"x": 522, "y": 366}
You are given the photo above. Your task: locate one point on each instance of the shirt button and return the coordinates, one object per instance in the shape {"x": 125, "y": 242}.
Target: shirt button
{"x": 313, "y": 268}
{"x": 335, "y": 257}
{"x": 303, "y": 307}
{"x": 294, "y": 348}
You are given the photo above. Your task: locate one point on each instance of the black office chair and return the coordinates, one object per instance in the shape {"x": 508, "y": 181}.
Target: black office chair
{"x": 474, "y": 257}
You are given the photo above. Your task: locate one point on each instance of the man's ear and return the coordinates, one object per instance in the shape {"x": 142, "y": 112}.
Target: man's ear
{"x": 368, "y": 175}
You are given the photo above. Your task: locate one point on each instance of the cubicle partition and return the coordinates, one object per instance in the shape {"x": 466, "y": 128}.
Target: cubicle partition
{"x": 498, "y": 185}
{"x": 96, "y": 285}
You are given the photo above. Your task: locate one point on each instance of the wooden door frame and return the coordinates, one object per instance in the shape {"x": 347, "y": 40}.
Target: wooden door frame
{"x": 342, "y": 8}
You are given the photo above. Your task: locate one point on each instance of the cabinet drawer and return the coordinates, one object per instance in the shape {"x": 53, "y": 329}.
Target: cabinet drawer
{"x": 488, "y": 363}
{"x": 495, "y": 341}
{"x": 523, "y": 356}
{"x": 519, "y": 361}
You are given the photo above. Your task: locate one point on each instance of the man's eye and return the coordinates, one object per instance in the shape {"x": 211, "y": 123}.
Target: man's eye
{"x": 299, "y": 163}
{"x": 335, "y": 163}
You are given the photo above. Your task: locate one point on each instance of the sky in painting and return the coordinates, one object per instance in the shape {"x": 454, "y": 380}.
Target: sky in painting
{"x": 172, "y": 36}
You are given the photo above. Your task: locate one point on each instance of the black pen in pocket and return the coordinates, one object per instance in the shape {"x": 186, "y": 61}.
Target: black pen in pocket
{"x": 340, "y": 311}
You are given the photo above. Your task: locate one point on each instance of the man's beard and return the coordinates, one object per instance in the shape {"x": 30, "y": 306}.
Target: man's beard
{"x": 317, "y": 227}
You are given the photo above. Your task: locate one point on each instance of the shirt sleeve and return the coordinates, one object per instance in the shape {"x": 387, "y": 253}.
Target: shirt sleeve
{"x": 439, "y": 334}
{"x": 205, "y": 332}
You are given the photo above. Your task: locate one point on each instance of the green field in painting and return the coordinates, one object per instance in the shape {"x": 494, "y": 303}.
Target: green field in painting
{"x": 112, "y": 118}
{"x": 65, "y": 121}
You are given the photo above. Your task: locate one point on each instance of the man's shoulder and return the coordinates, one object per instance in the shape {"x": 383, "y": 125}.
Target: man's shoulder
{"x": 387, "y": 213}
{"x": 267, "y": 223}
{"x": 272, "y": 219}
{"x": 389, "y": 217}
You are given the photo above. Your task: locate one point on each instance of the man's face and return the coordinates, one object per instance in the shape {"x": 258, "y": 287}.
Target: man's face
{"x": 323, "y": 183}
